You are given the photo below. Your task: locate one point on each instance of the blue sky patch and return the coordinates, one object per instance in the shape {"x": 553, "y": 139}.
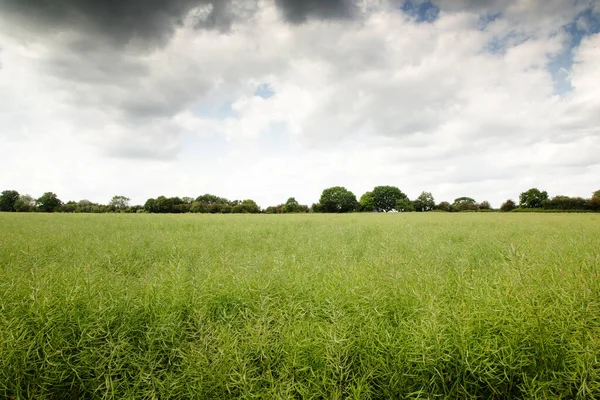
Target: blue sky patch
{"x": 585, "y": 23}
{"x": 422, "y": 11}
{"x": 264, "y": 90}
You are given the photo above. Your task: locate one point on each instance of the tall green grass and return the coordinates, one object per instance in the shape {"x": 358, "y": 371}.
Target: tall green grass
{"x": 360, "y": 306}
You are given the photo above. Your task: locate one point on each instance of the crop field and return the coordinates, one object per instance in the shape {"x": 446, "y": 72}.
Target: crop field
{"x": 316, "y": 306}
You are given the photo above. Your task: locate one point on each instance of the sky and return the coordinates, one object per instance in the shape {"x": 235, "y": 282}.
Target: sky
{"x": 271, "y": 99}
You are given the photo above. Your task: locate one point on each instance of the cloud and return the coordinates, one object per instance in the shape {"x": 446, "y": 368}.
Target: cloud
{"x": 121, "y": 22}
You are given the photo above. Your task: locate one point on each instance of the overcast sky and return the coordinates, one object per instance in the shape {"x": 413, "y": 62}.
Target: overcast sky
{"x": 279, "y": 98}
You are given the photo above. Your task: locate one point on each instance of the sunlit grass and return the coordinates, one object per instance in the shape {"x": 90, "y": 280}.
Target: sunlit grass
{"x": 363, "y": 306}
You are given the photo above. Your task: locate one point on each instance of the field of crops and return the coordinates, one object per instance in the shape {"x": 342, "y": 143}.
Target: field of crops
{"x": 361, "y": 306}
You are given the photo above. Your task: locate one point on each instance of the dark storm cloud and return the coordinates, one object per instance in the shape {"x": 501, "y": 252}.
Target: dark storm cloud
{"x": 155, "y": 20}
{"x": 119, "y": 20}
{"x": 298, "y": 11}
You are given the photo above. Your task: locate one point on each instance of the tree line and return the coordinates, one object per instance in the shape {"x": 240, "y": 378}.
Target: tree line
{"x": 335, "y": 199}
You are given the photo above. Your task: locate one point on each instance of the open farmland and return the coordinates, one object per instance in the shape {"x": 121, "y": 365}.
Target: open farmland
{"x": 362, "y": 306}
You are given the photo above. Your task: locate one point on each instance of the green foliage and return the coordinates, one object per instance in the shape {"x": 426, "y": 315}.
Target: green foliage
{"x": 404, "y": 205}
{"x": 444, "y": 206}
{"x": 119, "y": 202}
{"x": 566, "y": 203}
{"x": 8, "y": 200}
{"x": 424, "y": 202}
{"x": 291, "y": 205}
{"x": 594, "y": 202}
{"x": 367, "y": 203}
{"x": 211, "y": 199}
{"x": 361, "y": 306}
{"x": 25, "y": 203}
{"x": 48, "y": 202}
{"x": 485, "y": 205}
{"x": 464, "y": 204}
{"x": 533, "y": 198}
{"x": 386, "y": 198}
{"x": 508, "y": 205}
{"x": 246, "y": 207}
{"x": 338, "y": 199}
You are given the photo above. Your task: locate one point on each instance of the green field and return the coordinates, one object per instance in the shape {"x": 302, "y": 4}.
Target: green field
{"x": 361, "y": 306}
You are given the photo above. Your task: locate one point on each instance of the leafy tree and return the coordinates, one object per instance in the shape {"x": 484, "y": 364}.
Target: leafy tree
{"x": 119, "y": 202}
{"x": 25, "y": 203}
{"x": 212, "y": 199}
{"x": 367, "y": 203}
{"x": 278, "y": 209}
{"x": 444, "y": 206}
{"x": 198, "y": 207}
{"x": 150, "y": 205}
{"x": 404, "y": 205}
{"x": 485, "y": 205}
{"x": 508, "y": 205}
{"x": 291, "y": 205}
{"x": 8, "y": 198}
{"x": 187, "y": 200}
{"x": 338, "y": 199}
{"x": 424, "y": 202}
{"x": 566, "y": 203}
{"x": 303, "y": 208}
{"x": 48, "y": 202}
{"x": 533, "y": 198}
{"x": 464, "y": 204}
{"x": 316, "y": 208}
{"x": 386, "y": 197}
{"x": 163, "y": 205}
{"x": 594, "y": 202}
{"x": 245, "y": 206}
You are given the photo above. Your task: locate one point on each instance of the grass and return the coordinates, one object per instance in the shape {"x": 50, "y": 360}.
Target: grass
{"x": 360, "y": 306}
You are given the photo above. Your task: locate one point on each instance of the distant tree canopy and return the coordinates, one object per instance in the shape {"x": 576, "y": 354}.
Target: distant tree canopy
{"x": 119, "y": 202}
{"x": 464, "y": 204}
{"x": 48, "y": 202}
{"x": 335, "y": 199}
{"x": 508, "y": 205}
{"x": 8, "y": 200}
{"x": 424, "y": 202}
{"x": 291, "y": 205}
{"x": 444, "y": 206}
{"x": 533, "y": 198}
{"x": 367, "y": 202}
{"x": 386, "y": 198}
{"x": 338, "y": 199}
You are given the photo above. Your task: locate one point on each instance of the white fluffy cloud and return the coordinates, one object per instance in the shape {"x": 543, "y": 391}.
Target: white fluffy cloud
{"x": 455, "y": 107}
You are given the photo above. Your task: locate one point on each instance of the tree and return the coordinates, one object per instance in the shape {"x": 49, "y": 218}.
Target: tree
{"x": 119, "y": 202}
{"x": 424, "y": 202}
{"x": 8, "y": 198}
{"x": 150, "y": 205}
{"x": 507, "y": 206}
{"x": 386, "y": 197}
{"x": 25, "y": 203}
{"x": 245, "y": 207}
{"x": 464, "y": 204}
{"x": 566, "y": 203}
{"x": 367, "y": 203}
{"x": 485, "y": 205}
{"x": 533, "y": 198}
{"x": 338, "y": 199}
{"x": 291, "y": 205}
{"x": 49, "y": 202}
{"x": 594, "y": 202}
{"x": 211, "y": 199}
{"x": 444, "y": 206}
{"x": 404, "y": 205}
